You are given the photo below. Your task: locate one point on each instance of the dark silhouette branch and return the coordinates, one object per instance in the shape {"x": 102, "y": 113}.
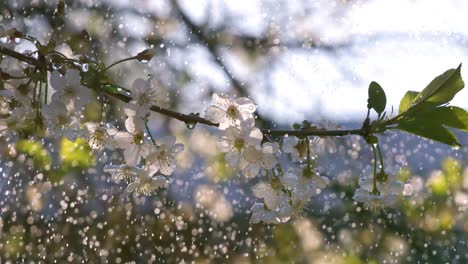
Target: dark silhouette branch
{"x": 191, "y": 118}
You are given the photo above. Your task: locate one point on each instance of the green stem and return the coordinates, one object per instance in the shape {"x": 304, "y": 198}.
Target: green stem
{"x": 382, "y": 168}
{"x": 149, "y": 132}
{"x": 280, "y": 170}
{"x": 40, "y": 91}
{"x": 46, "y": 91}
{"x": 35, "y": 92}
{"x": 118, "y": 62}
{"x": 309, "y": 165}
{"x": 273, "y": 172}
{"x": 101, "y": 101}
{"x": 374, "y": 182}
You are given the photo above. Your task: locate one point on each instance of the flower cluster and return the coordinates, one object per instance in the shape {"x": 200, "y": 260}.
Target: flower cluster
{"x": 148, "y": 162}
{"x": 63, "y": 116}
{"x": 158, "y": 154}
{"x": 385, "y": 194}
{"x": 284, "y": 195}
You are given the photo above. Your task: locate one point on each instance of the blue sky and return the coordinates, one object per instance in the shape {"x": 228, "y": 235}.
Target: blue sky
{"x": 400, "y": 44}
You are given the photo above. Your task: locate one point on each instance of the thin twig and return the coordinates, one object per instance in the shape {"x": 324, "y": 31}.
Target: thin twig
{"x": 193, "y": 119}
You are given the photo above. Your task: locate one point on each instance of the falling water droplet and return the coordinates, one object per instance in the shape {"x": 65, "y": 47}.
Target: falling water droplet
{"x": 56, "y": 66}
{"x": 85, "y": 67}
{"x": 190, "y": 125}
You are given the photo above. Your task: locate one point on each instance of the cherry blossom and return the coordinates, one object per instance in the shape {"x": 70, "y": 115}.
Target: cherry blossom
{"x": 142, "y": 182}
{"x": 145, "y": 94}
{"x": 236, "y": 141}
{"x": 147, "y": 185}
{"x": 272, "y": 193}
{"x": 69, "y": 90}
{"x": 20, "y": 92}
{"x": 161, "y": 157}
{"x": 19, "y": 118}
{"x": 100, "y": 137}
{"x": 133, "y": 144}
{"x": 229, "y": 112}
{"x": 302, "y": 188}
{"x": 123, "y": 172}
{"x": 387, "y": 193}
{"x": 262, "y": 214}
{"x": 133, "y": 141}
{"x": 61, "y": 122}
{"x": 256, "y": 159}
{"x": 297, "y": 148}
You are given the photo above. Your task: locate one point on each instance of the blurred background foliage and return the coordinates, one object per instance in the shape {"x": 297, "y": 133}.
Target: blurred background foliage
{"x": 56, "y": 204}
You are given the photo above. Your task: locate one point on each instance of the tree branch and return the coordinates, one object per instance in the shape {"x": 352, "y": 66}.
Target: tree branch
{"x": 192, "y": 119}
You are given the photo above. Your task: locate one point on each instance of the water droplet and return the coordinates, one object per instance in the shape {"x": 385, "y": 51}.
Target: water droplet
{"x": 56, "y": 66}
{"x": 190, "y": 125}
{"x": 85, "y": 67}
{"x": 144, "y": 61}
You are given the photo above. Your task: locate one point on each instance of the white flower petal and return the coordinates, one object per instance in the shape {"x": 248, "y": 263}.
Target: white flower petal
{"x": 246, "y": 105}
{"x": 215, "y": 114}
{"x": 132, "y": 155}
{"x": 222, "y": 100}
{"x": 232, "y": 158}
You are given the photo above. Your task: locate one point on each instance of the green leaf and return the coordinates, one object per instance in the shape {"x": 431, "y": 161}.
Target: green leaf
{"x": 76, "y": 154}
{"x": 407, "y": 101}
{"x": 36, "y": 151}
{"x": 377, "y": 99}
{"x": 442, "y": 89}
{"x": 430, "y": 130}
{"x": 451, "y": 116}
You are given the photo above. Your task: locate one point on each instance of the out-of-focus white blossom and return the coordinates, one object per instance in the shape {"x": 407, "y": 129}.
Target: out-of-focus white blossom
{"x": 145, "y": 94}
{"x": 272, "y": 193}
{"x": 20, "y": 92}
{"x": 276, "y": 207}
{"x": 228, "y": 112}
{"x": 100, "y": 137}
{"x": 68, "y": 89}
{"x": 236, "y": 141}
{"x": 147, "y": 185}
{"x": 133, "y": 145}
{"x": 5, "y": 99}
{"x": 295, "y": 147}
{"x": 133, "y": 142}
{"x": 256, "y": 159}
{"x": 161, "y": 157}
{"x": 262, "y": 214}
{"x": 303, "y": 188}
{"x": 388, "y": 193}
{"x": 61, "y": 122}
{"x": 123, "y": 172}
{"x": 19, "y": 118}
{"x": 142, "y": 181}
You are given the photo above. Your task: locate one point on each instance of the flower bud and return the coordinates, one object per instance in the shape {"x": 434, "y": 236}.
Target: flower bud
{"x": 14, "y": 33}
{"x": 146, "y": 55}
{"x": 382, "y": 177}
